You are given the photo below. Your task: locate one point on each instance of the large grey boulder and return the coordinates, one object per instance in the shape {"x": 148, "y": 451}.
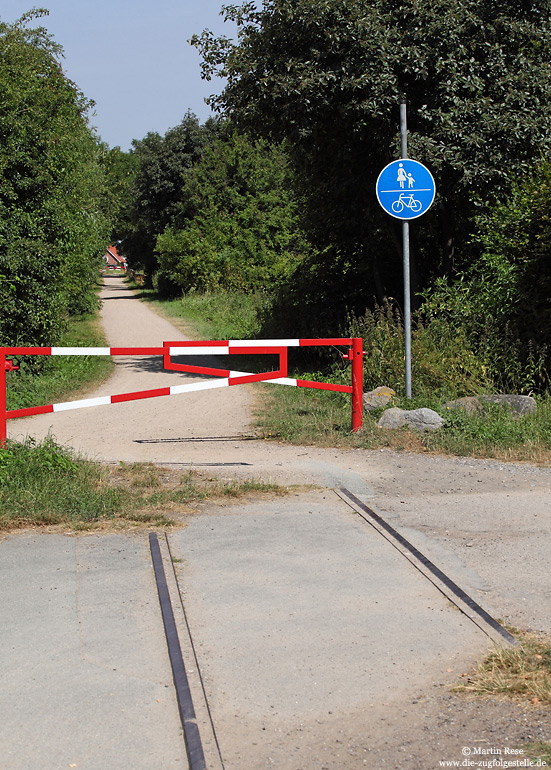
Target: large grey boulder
{"x": 377, "y": 398}
{"x": 519, "y": 405}
{"x": 416, "y": 419}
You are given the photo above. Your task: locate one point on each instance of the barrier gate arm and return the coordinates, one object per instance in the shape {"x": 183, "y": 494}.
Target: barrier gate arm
{"x": 227, "y": 377}
{"x": 240, "y": 347}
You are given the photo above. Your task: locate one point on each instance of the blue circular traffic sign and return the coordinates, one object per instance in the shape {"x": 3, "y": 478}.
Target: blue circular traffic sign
{"x": 405, "y": 189}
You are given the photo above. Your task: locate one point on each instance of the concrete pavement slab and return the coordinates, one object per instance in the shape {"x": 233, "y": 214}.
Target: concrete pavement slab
{"x": 300, "y": 611}
{"x": 86, "y": 681}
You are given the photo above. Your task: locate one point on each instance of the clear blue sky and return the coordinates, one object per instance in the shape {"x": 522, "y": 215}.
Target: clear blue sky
{"x": 132, "y": 58}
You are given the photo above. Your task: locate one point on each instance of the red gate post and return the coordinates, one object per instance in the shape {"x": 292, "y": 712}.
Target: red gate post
{"x": 3, "y": 417}
{"x": 357, "y": 354}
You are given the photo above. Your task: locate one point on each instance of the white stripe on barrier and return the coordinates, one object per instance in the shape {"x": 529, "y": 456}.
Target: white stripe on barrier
{"x": 78, "y": 404}
{"x": 278, "y": 381}
{"x": 221, "y": 383}
{"x": 284, "y": 381}
{"x": 81, "y": 351}
{"x": 200, "y": 351}
{"x": 264, "y": 343}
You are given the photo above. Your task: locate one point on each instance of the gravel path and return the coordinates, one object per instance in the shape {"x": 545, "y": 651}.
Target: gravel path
{"x": 487, "y": 524}
{"x": 114, "y": 432}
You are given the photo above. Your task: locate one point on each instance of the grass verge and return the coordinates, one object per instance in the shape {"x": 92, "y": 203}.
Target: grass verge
{"x": 522, "y": 672}
{"x": 222, "y": 315}
{"x": 324, "y": 419}
{"x": 47, "y": 484}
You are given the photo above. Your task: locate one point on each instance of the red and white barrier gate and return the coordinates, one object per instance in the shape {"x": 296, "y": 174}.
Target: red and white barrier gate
{"x": 226, "y": 377}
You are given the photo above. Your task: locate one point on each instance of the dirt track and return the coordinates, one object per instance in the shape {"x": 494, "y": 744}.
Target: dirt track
{"x": 487, "y": 524}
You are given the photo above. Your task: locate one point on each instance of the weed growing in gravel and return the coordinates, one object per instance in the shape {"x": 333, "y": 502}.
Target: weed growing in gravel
{"x": 538, "y": 751}
{"x": 522, "y": 673}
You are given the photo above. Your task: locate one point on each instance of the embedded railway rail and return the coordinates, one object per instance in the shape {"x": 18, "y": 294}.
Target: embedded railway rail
{"x": 171, "y": 601}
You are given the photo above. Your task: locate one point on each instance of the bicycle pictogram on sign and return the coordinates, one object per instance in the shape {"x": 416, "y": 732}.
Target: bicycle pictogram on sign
{"x": 408, "y": 202}
{"x": 405, "y": 189}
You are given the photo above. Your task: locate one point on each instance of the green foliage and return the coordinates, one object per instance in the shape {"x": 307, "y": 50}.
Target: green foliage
{"x": 443, "y": 363}
{"x": 237, "y": 228}
{"x": 502, "y": 299}
{"x": 327, "y": 76}
{"x": 220, "y": 315}
{"x": 53, "y": 228}
{"x": 44, "y": 483}
{"x": 495, "y": 426}
{"x": 61, "y": 377}
{"x": 120, "y": 170}
{"x": 158, "y": 166}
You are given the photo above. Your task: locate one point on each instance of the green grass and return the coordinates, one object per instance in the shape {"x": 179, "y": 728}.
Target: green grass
{"x": 324, "y": 419}
{"x": 217, "y": 315}
{"x": 538, "y": 751}
{"x": 61, "y": 377}
{"x": 47, "y": 484}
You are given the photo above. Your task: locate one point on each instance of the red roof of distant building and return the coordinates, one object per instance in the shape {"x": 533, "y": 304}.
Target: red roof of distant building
{"x": 112, "y": 256}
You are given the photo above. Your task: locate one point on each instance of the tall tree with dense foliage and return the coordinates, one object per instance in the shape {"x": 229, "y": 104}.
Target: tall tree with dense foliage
{"x": 237, "y": 227}
{"x": 53, "y": 228}
{"x": 160, "y": 163}
{"x": 328, "y": 75}
{"x": 503, "y": 298}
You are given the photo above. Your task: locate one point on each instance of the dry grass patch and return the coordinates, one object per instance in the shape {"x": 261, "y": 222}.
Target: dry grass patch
{"x": 156, "y": 488}
{"x": 522, "y": 673}
{"x": 538, "y": 751}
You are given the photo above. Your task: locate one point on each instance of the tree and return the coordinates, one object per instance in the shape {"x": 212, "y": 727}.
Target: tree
{"x": 160, "y": 165}
{"x": 237, "y": 225}
{"x": 503, "y": 299}
{"x": 120, "y": 170}
{"x": 328, "y": 75}
{"x": 53, "y": 228}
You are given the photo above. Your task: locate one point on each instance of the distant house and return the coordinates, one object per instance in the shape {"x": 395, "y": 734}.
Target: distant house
{"x": 113, "y": 259}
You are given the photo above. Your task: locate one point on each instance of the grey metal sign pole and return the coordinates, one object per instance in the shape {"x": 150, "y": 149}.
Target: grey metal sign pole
{"x": 405, "y": 189}
{"x": 405, "y": 246}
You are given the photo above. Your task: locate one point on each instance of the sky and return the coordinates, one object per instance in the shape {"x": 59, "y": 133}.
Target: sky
{"x": 132, "y": 58}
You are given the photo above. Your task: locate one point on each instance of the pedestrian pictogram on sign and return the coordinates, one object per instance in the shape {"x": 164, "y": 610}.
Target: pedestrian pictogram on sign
{"x": 405, "y": 189}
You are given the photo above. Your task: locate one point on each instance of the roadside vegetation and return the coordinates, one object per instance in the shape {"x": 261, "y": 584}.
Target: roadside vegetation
{"x": 45, "y": 484}
{"x": 273, "y": 229}
{"x": 55, "y": 209}
{"x": 311, "y": 417}
{"x": 522, "y": 672}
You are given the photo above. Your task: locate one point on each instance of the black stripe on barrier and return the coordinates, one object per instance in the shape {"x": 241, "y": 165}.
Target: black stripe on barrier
{"x": 192, "y": 738}
{"x": 448, "y": 582}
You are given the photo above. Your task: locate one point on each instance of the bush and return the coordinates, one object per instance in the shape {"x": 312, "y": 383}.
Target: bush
{"x": 502, "y": 301}
{"x": 442, "y": 361}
